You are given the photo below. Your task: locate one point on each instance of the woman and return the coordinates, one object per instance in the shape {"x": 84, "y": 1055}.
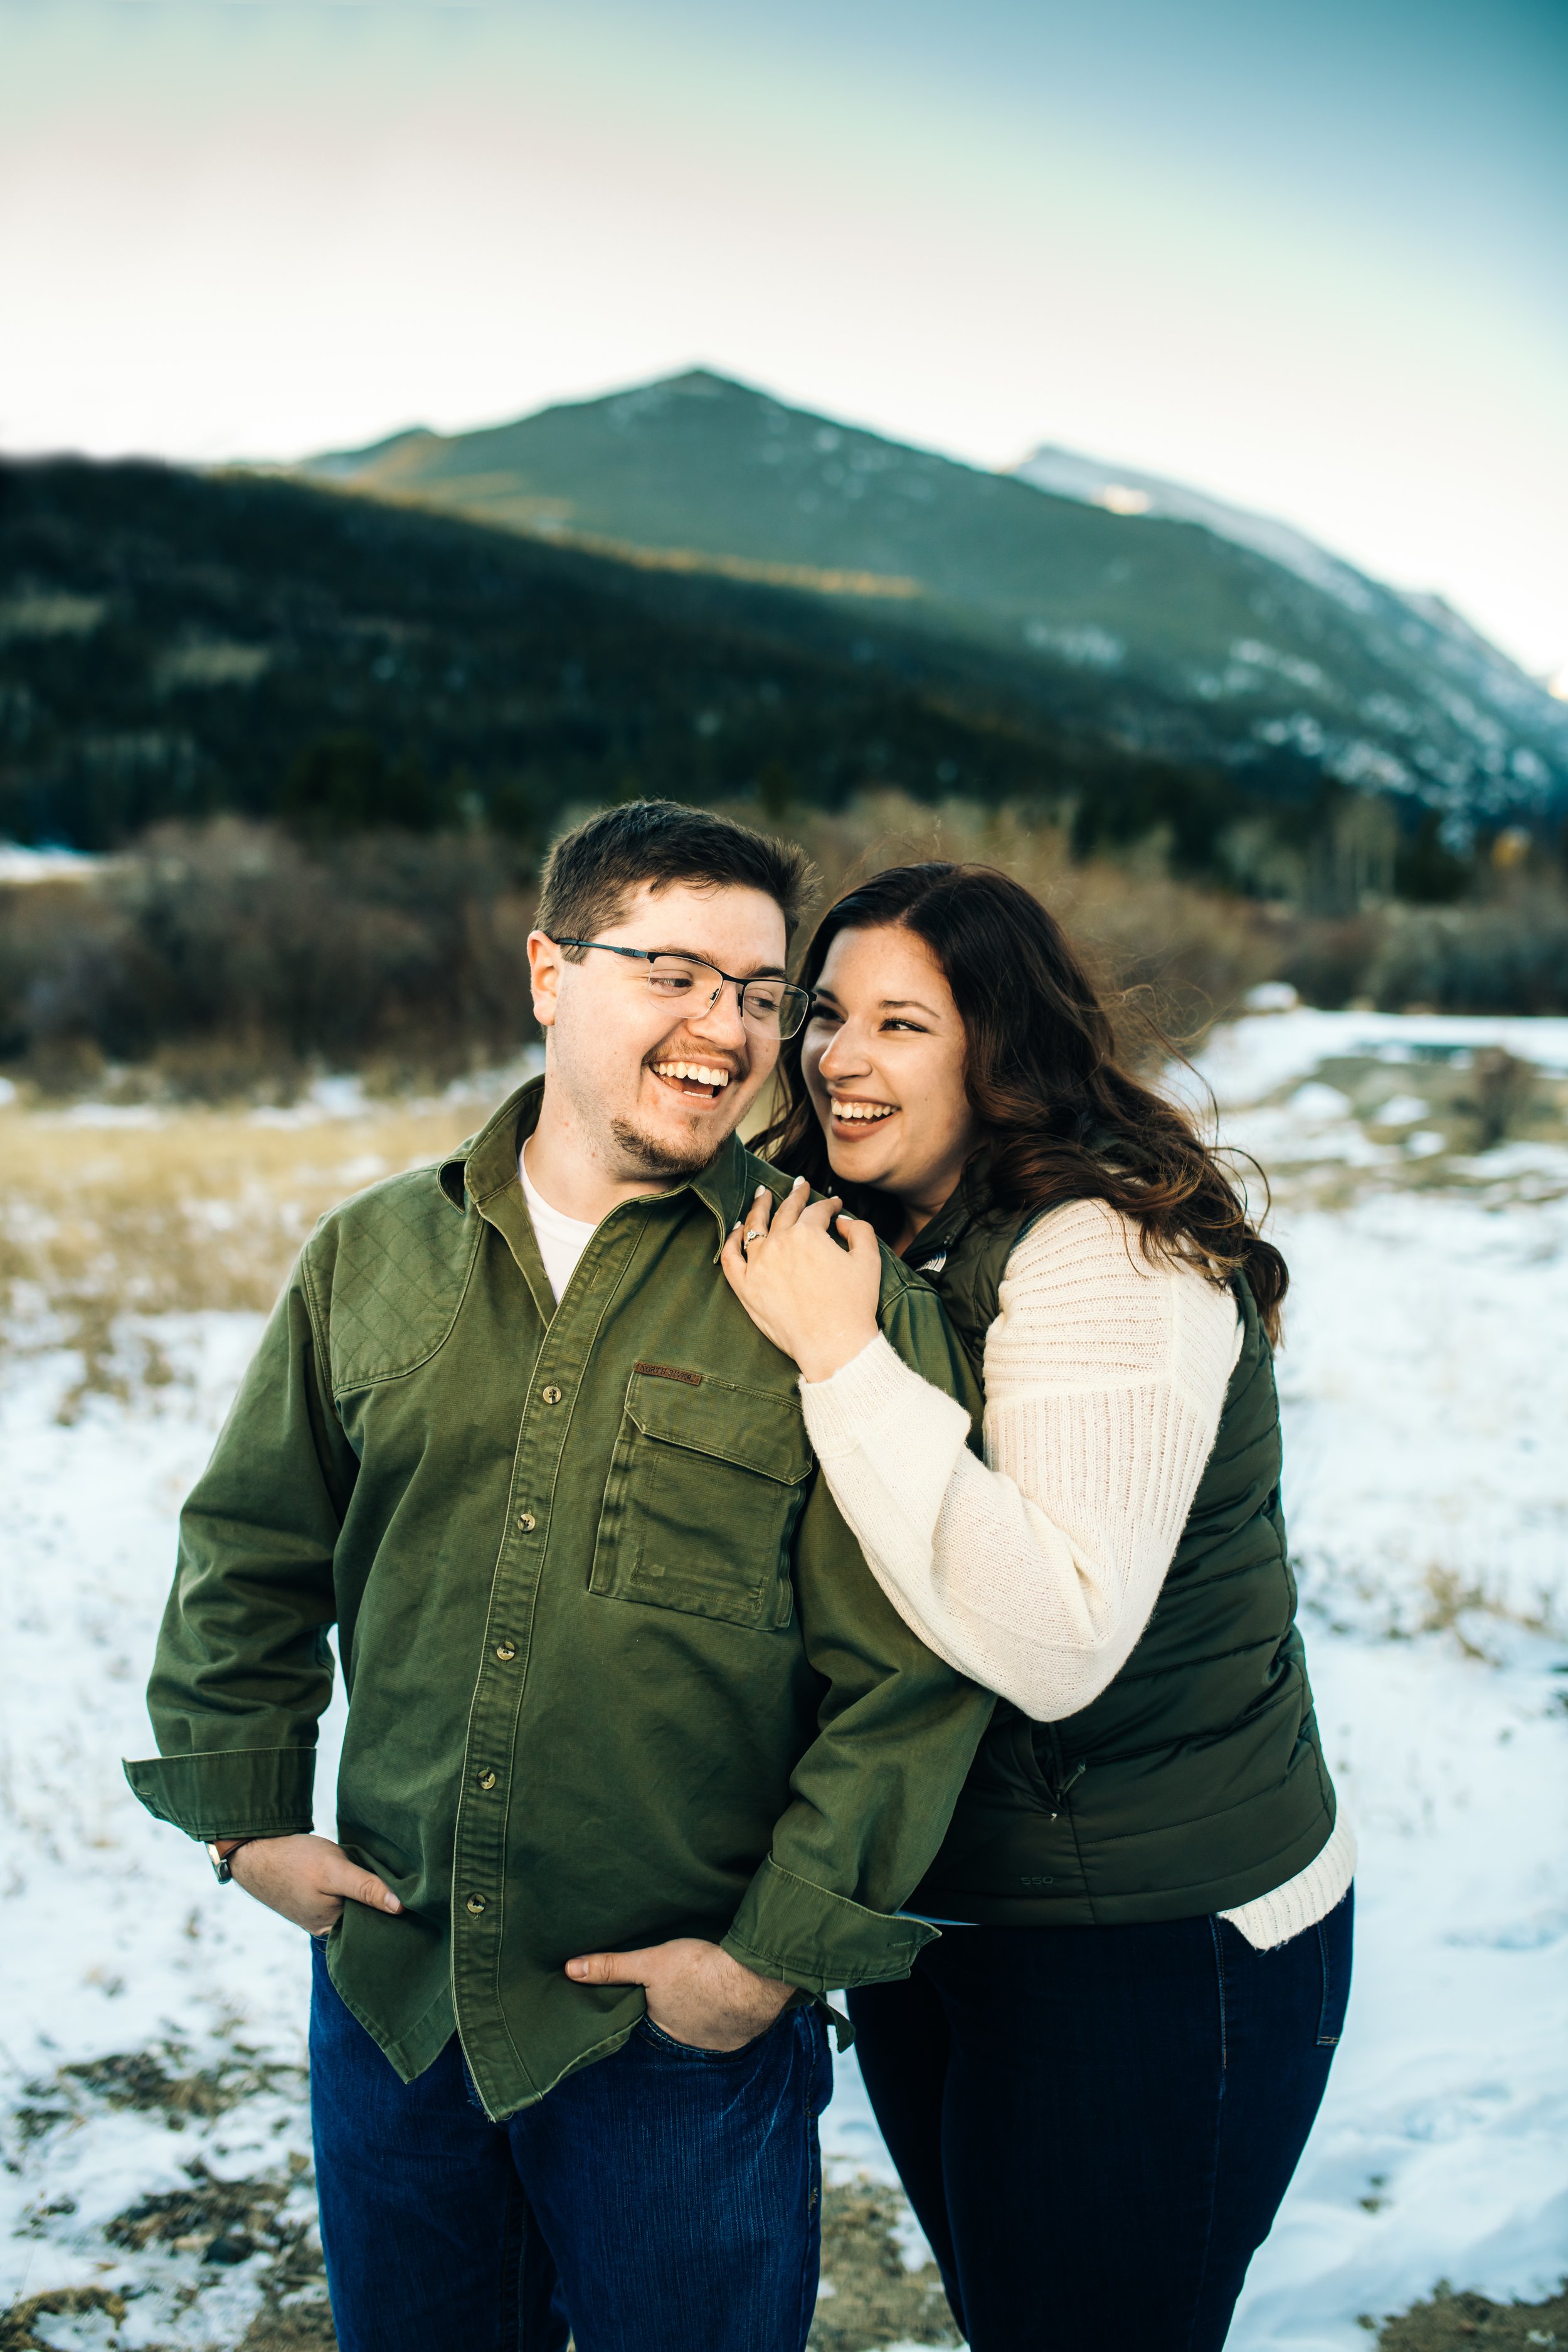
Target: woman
{"x": 1098, "y": 2083}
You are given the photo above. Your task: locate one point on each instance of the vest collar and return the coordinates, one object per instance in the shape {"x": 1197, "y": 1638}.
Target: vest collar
{"x": 969, "y": 1203}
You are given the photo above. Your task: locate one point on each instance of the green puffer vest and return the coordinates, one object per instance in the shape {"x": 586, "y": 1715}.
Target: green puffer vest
{"x": 1196, "y": 1781}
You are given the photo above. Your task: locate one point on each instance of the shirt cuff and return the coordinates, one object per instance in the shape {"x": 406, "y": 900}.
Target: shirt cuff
{"x": 867, "y": 1391}
{"x": 225, "y": 1792}
{"x": 802, "y": 1935}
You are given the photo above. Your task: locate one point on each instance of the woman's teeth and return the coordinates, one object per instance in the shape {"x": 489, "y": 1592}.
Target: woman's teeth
{"x": 697, "y": 1074}
{"x": 861, "y": 1110}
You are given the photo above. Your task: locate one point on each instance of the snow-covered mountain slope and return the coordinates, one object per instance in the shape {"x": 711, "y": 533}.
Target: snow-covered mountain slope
{"x": 1154, "y": 618}
{"x": 1475, "y": 670}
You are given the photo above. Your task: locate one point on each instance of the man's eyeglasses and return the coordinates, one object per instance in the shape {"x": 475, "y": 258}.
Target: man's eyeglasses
{"x": 773, "y": 1008}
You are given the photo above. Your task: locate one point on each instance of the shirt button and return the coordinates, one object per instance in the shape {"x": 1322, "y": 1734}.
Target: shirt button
{"x": 476, "y": 1904}
{"x": 487, "y": 1780}
{"x": 527, "y": 1522}
{"x": 506, "y": 1652}
{"x": 550, "y": 1393}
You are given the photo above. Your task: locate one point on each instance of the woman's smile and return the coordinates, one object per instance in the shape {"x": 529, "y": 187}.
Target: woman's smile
{"x": 852, "y": 1114}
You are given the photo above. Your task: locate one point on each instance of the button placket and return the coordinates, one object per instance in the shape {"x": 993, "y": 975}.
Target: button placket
{"x": 482, "y": 1827}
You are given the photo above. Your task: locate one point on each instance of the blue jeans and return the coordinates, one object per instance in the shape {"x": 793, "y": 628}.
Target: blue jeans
{"x": 664, "y": 2200}
{"x": 1095, "y": 2125}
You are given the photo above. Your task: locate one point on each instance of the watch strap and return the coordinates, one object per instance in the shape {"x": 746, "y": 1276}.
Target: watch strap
{"x": 221, "y": 1853}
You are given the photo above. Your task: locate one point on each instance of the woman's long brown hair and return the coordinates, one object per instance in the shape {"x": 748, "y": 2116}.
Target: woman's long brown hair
{"x": 1062, "y": 1119}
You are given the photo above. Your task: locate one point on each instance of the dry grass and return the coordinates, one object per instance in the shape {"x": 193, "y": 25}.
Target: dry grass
{"x": 1181, "y": 953}
{"x": 197, "y": 1209}
{"x": 1461, "y": 1608}
{"x": 1449, "y": 2322}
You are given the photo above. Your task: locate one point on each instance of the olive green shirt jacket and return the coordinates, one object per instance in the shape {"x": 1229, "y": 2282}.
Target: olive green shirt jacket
{"x": 617, "y": 1670}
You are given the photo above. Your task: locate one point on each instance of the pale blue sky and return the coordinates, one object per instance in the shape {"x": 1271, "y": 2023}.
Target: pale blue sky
{"x": 1309, "y": 255}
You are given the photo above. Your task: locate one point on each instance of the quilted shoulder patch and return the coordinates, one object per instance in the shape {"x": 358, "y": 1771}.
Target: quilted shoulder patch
{"x": 386, "y": 1275}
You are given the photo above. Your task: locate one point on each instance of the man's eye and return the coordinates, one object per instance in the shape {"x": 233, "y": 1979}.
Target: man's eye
{"x": 670, "y": 983}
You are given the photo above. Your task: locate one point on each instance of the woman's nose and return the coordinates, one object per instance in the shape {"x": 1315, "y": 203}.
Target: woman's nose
{"x": 845, "y": 1057}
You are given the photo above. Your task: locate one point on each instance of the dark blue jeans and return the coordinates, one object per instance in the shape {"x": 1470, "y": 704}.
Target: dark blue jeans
{"x": 665, "y": 2199}
{"x": 1096, "y": 2124}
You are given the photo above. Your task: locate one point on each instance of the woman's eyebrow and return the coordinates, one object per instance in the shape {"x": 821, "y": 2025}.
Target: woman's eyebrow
{"x": 898, "y": 1003}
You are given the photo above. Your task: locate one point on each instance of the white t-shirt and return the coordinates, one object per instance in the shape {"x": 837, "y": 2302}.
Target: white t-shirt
{"x": 561, "y": 1240}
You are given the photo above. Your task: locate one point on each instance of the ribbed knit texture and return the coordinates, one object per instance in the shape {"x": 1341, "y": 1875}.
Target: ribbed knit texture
{"x": 1036, "y": 1572}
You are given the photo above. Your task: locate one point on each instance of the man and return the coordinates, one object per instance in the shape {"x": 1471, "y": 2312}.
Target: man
{"x": 639, "y": 1763}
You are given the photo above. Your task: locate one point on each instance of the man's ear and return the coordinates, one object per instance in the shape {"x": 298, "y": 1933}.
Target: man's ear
{"x": 545, "y": 963}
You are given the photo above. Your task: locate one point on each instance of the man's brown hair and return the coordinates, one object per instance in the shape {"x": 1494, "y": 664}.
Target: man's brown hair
{"x": 593, "y": 870}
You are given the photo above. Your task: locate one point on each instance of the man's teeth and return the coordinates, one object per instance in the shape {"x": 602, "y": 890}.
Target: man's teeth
{"x": 698, "y": 1072}
{"x": 863, "y": 1111}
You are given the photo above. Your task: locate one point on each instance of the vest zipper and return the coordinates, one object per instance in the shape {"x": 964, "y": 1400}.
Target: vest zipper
{"x": 1056, "y": 1777}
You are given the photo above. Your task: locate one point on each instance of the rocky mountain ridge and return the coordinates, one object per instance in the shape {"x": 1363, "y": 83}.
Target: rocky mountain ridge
{"x": 1163, "y": 621}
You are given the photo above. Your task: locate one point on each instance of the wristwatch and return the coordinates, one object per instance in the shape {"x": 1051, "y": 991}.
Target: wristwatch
{"x": 222, "y": 1852}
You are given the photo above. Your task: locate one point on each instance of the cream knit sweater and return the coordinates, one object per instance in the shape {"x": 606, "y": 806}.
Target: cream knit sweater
{"x": 1036, "y": 1572}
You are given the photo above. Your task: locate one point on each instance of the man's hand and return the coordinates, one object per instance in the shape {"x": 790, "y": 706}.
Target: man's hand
{"x": 309, "y": 1880}
{"x": 696, "y": 1993}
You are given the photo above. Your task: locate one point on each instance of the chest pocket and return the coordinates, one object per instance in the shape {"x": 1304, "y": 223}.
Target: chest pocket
{"x": 706, "y": 1483}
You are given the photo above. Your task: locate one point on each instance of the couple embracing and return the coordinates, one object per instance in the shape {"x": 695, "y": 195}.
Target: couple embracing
{"x": 857, "y": 1566}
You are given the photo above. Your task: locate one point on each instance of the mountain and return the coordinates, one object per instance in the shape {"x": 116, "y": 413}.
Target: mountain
{"x": 1155, "y": 620}
{"x": 1441, "y": 641}
{"x": 173, "y": 645}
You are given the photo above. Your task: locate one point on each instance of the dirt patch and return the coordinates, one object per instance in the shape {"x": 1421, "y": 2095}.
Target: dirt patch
{"x": 1455, "y": 2323}
{"x": 175, "y": 2244}
{"x": 63, "y": 2302}
{"x": 869, "y": 2295}
{"x": 307, "y": 2330}
{"x": 141, "y": 2079}
{"x": 223, "y": 2221}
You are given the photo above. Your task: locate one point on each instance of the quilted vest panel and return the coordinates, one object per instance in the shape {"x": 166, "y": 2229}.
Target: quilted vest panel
{"x": 1196, "y": 1781}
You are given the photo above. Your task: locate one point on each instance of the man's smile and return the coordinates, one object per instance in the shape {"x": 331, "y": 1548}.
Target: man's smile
{"x": 693, "y": 1081}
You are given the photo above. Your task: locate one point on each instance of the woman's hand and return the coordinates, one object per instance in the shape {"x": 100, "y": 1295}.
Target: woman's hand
{"x": 810, "y": 1298}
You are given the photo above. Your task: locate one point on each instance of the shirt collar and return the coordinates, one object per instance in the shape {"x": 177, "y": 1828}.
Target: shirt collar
{"x": 486, "y": 1163}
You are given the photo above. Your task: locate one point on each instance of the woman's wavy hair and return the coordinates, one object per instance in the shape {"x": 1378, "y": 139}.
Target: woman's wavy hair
{"x": 1063, "y": 1120}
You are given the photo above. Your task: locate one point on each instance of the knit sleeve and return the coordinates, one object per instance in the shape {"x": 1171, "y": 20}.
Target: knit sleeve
{"x": 1034, "y": 1572}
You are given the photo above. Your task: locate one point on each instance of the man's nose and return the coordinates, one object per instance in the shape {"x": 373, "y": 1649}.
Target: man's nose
{"x": 722, "y": 1024}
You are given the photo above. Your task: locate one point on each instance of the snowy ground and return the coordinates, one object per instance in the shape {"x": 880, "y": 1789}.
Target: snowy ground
{"x": 1425, "y": 1383}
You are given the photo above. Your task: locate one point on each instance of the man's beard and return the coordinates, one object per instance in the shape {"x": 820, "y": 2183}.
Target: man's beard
{"x": 647, "y": 1155}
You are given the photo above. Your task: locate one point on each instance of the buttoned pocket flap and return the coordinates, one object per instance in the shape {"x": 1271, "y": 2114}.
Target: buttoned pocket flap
{"x": 706, "y": 1483}
{"x": 757, "y": 1429}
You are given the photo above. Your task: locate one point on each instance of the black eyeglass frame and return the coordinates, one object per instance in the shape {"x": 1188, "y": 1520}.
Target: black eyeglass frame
{"x": 791, "y": 997}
